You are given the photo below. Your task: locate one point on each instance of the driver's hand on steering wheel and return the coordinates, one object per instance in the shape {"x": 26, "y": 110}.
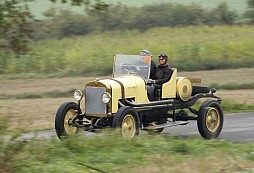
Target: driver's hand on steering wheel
{"x": 137, "y": 68}
{"x": 151, "y": 81}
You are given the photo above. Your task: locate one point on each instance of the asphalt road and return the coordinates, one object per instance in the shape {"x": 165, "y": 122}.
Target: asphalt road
{"x": 237, "y": 128}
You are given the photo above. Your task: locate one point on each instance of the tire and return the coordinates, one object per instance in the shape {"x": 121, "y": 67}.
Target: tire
{"x": 210, "y": 119}
{"x": 199, "y": 89}
{"x": 127, "y": 119}
{"x": 63, "y": 115}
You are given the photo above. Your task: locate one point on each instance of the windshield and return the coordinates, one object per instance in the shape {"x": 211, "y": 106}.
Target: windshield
{"x": 132, "y": 64}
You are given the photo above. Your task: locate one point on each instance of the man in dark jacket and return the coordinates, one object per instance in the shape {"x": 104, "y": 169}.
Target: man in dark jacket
{"x": 163, "y": 74}
{"x": 163, "y": 71}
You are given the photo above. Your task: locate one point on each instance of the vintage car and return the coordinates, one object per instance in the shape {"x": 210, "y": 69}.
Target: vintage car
{"x": 122, "y": 102}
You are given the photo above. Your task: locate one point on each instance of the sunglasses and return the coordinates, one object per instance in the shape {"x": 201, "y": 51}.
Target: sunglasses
{"x": 161, "y": 59}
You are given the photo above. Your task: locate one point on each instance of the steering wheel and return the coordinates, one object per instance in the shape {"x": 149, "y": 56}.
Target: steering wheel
{"x": 128, "y": 68}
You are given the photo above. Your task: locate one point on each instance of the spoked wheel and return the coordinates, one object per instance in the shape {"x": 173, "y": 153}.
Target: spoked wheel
{"x": 210, "y": 119}
{"x": 63, "y": 119}
{"x": 127, "y": 120}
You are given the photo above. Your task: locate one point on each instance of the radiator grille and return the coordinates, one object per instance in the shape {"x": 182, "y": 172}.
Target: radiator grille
{"x": 94, "y": 104}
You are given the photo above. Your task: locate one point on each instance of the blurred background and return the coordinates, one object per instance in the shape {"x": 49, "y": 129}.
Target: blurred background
{"x": 64, "y": 38}
{"x": 49, "y": 48}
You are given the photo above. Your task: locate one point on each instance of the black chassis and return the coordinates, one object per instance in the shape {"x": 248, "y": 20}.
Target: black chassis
{"x": 148, "y": 112}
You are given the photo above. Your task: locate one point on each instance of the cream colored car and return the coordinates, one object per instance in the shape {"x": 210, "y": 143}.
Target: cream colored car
{"x": 122, "y": 102}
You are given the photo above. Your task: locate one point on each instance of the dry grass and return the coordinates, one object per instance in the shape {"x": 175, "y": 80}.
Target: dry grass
{"x": 34, "y": 114}
{"x": 20, "y": 86}
{"x": 235, "y": 76}
{"x": 240, "y": 76}
{"x": 31, "y": 114}
{"x": 237, "y": 96}
{"x": 210, "y": 164}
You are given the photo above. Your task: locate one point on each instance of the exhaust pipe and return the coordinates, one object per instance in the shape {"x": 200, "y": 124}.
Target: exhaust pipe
{"x": 154, "y": 103}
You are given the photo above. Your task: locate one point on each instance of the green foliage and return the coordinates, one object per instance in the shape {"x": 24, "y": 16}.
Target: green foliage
{"x": 249, "y": 13}
{"x": 108, "y": 152}
{"x": 16, "y": 20}
{"x": 250, "y": 3}
{"x": 9, "y": 147}
{"x": 236, "y": 107}
{"x": 234, "y": 86}
{"x": 15, "y": 28}
{"x": 104, "y": 17}
{"x": 229, "y": 107}
{"x": 190, "y": 48}
{"x": 221, "y": 15}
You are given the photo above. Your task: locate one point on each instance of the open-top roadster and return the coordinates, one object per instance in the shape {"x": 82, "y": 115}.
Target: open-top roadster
{"x": 122, "y": 102}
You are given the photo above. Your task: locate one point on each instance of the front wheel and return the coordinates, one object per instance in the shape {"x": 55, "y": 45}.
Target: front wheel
{"x": 210, "y": 119}
{"x": 63, "y": 118}
{"x": 127, "y": 120}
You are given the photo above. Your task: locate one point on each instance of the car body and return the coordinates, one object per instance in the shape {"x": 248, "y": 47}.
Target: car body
{"x": 122, "y": 102}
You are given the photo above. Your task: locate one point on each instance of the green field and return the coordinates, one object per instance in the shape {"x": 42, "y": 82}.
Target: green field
{"x": 109, "y": 153}
{"x": 189, "y": 48}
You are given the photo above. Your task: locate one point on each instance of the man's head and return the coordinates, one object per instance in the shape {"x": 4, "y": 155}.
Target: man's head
{"x": 144, "y": 53}
{"x": 163, "y": 58}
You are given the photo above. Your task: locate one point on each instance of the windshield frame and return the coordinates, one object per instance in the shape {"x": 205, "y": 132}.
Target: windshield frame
{"x": 132, "y": 65}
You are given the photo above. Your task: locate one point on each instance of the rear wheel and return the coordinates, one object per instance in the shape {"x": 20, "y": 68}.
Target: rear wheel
{"x": 127, "y": 120}
{"x": 210, "y": 119}
{"x": 63, "y": 118}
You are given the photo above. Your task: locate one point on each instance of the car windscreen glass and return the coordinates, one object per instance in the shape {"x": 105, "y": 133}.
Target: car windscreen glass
{"x": 132, "y": 64}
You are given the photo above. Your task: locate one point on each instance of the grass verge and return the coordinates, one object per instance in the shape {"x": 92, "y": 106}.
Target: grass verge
{"x": 36, "y": 95}
{"x": 228, "y": 107}
{"x": 234, "y": 86}
{"x": 111, "y": 153}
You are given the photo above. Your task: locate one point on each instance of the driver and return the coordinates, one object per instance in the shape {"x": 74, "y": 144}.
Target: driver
{"x": 162, "y": 74}
{"x": 153, "y": 64}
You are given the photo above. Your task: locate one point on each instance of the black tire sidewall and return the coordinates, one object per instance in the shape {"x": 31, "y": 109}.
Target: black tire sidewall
{"x": 121, "y": 113}
{"x": 60, "y": 115}
{"x": 201, "y": 122}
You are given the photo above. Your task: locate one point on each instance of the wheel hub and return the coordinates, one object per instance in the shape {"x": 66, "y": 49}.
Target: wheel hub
{"x": 212, "y": 120}
{"x": 128, "y": 126}
{"x": 69, "y": 128}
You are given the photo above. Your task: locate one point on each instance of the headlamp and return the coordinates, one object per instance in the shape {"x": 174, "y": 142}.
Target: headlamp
{"x": 106, "y": 97}
{"x": 78, "y": 95}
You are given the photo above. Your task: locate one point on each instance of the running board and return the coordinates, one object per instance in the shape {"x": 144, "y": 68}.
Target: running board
{"x": 170, "y": 124}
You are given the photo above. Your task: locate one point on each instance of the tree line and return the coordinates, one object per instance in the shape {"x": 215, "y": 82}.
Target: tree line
{"x": 19, "y": 27}
{"x": 63, "y": 23}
